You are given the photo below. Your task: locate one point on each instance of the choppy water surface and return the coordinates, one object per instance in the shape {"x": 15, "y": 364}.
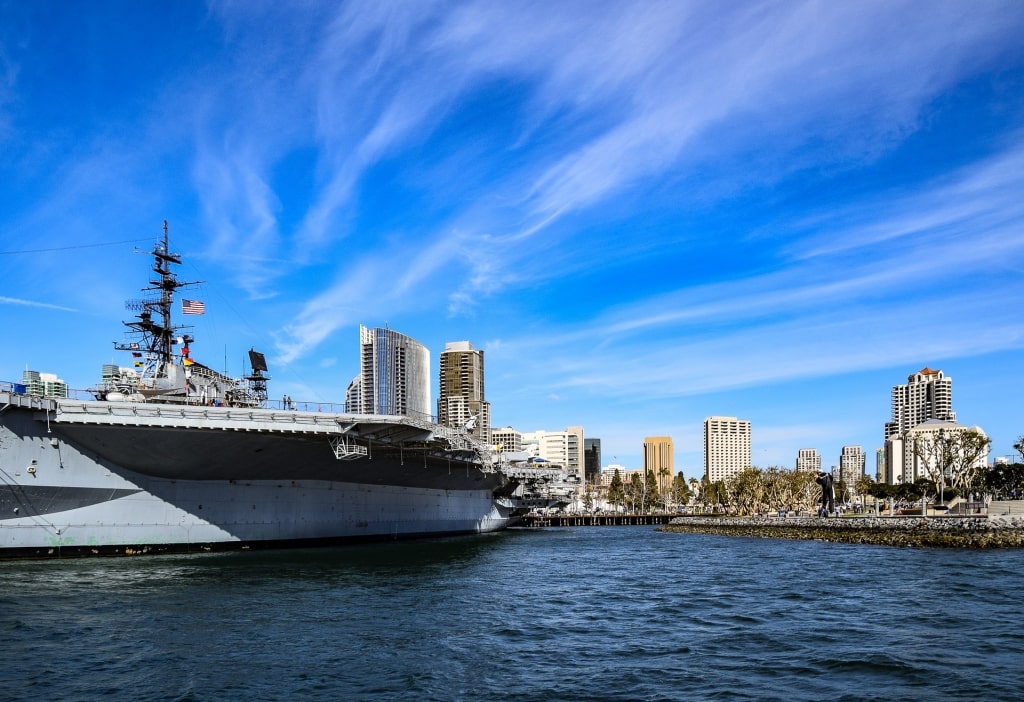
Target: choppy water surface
{"x": 614, "y": 613}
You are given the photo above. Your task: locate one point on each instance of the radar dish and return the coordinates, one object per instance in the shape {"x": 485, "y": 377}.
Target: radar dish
{"x": 257, "y": 360}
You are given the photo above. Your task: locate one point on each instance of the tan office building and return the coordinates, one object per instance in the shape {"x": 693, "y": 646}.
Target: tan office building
{"x": 461, "y": 402}
{"x": 659, "y": 458}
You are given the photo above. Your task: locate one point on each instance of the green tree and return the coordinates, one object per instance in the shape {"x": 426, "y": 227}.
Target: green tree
{"x": 933, "y": 456}
{"x": 884, "y": 491}
{"x": 966, "y": 454}
{"x": 952, "y": 458}
{"x": 681, "y": 492}
{"x": 1004, "y": 480}
{"x": 864, "y": 487}
{"x": 746, "y": 490}
{"x": 616, "y": 490}
{"x": 922, "y": 489}
{"x": 713, "y": 494}
{"x": 1019, "y": 447}
{"x": 635, "y": 491}
{"x": 649, "y": 497}
{"x": 842, "y": 491}
{"x": 665, "y": 478}
{"x": 777, "y": 488}
{"x": 801, "y": 492}
{"x": 907, "y": 492}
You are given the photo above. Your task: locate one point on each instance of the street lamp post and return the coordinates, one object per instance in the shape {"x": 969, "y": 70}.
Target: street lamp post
{"x": 942, "y": 467}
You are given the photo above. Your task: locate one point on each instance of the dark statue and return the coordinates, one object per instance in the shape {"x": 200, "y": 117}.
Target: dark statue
{"x": 828, "y": 494}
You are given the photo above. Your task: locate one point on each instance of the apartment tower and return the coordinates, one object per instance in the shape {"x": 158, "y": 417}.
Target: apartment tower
{"x": 726, "y": 447}
{"x": 926, "y": 397}
{"x": 852, "y": 462}
{"x": 394, "y": 375}
{"x": 461, "y": 383}
{"x": 928, "y": 394}
{"x": 808, "y": 459}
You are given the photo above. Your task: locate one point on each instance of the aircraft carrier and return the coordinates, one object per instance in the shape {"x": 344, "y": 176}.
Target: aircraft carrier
{"x": 170, "y": 455}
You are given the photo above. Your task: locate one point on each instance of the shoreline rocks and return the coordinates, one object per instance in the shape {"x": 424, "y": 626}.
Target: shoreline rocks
{"x": 935, "y": 532}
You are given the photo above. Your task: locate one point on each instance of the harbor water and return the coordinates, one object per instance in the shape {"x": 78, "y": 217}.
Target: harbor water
{"x": 598, "y": 613}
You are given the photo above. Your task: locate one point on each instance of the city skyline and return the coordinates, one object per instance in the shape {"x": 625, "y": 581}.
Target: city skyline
{"x": 644, "y": 214}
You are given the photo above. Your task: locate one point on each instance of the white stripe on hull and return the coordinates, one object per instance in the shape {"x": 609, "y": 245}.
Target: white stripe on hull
{"x": 56, "y": 494}
{"x": 223, "y": 512}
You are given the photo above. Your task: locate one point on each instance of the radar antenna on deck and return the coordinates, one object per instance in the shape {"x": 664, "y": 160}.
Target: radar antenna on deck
{"x": 257, "y": 381}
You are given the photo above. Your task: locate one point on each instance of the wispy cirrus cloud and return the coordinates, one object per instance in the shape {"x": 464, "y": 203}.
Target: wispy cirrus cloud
{"x": 827, "y": 309}
{"x": 955, "y": 215}
{"x": 601, "y": 105}
{"x": 33, "y": 303}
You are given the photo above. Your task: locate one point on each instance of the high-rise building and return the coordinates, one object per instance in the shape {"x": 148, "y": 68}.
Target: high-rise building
{"x": 726, "y": 447}
{"x": 852, "y": 462}
{"x": 592, "y": 460}
{"x": 461, "y": 401}
{"x": 659, "y": 458}
{"x": 394, "y": 375}
{"x": 928, "y": 394}
{"x": 43, "y": 384}
{"x": 808, "y": 459}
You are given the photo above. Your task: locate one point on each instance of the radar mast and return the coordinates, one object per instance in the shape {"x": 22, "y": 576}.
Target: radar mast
{"x": 153, "y": 333}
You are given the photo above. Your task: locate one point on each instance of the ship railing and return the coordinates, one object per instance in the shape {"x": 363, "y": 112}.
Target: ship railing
{"x": 25, "y": 401}
{"x": 275, "y": 420}
{"x": 20, "y": 388}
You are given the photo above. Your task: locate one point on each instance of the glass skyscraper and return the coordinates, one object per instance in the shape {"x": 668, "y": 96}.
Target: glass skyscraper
{"x": 394, "y": 375}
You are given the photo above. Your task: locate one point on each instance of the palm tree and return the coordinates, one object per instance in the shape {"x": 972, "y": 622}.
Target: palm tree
{"x": 664, "y": 475}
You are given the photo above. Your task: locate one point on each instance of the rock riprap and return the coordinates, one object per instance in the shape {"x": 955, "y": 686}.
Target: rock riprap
{"x": 941, "y": 532}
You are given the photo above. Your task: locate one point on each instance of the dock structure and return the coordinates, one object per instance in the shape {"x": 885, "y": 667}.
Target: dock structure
{"x": 573, "y": 520}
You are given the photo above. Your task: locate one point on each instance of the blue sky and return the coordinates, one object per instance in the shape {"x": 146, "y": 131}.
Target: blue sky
{"x": 646, "y": 212}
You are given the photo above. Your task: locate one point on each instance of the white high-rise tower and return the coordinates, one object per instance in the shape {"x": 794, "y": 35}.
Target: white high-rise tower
{"x": 726, "y": 447}
{"x": 928, "y": 394}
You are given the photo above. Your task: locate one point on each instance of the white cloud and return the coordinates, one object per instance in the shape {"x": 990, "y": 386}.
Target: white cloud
{"x": 33, "y": 303}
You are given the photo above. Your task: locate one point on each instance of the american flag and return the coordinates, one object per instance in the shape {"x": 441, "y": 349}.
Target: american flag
{"x": 192, "y": 307}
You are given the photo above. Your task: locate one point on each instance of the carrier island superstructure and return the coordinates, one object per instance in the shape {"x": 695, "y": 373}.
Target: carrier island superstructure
{"x": 179, "y": 457}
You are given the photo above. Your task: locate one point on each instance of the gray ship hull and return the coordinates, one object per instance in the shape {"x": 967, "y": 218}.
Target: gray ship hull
{"x": 83, "y": 478}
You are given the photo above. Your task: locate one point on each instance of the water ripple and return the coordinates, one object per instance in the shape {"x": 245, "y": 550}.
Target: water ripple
{"x": 556, "y": 614}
